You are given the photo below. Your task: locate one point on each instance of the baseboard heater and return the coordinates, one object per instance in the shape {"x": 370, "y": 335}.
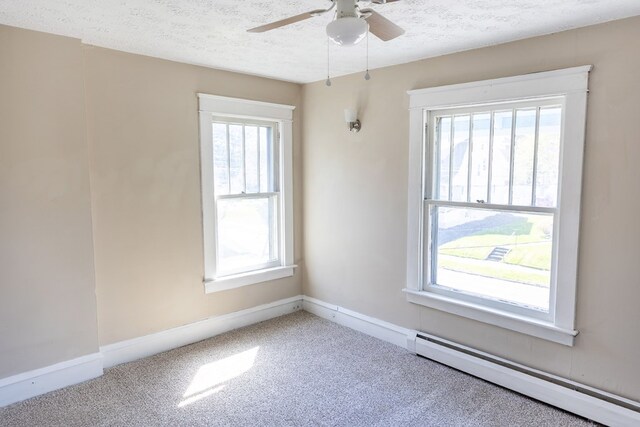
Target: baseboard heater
{"x": 569, "y": 395}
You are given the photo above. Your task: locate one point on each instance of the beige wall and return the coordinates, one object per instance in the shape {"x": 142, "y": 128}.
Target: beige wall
{"x": 75, "y": 117}
{"x": 47, "y": 288}
{"x": 145, "y": 179}
{"x": 355, "y": 202}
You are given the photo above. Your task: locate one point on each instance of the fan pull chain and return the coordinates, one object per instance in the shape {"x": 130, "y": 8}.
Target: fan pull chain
{"x": 367, "y": 76}
{"x": 328, "y": 82}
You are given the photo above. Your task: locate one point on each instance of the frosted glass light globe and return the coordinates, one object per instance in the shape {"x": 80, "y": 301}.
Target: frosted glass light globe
{"x": 347, "y": 31}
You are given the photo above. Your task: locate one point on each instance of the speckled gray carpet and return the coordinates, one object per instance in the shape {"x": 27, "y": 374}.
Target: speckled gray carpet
{"x": 295, "y": 370}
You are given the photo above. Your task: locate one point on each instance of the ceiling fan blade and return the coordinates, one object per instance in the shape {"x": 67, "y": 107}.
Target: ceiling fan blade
{"x": 382, "y": 28}
{"x": 383, "y": 1}
{"x": 283, "y": 22}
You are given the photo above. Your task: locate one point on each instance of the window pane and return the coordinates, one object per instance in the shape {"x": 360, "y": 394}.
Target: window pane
{"x": 499, "y": 255}
{"x": 220, "y": 159}
{"x": 443, "y": 153}
{"x": 525, "y": 137}
{"x": 266, "y": 160}
{"x": 460, "y": 158}
{"x": 251, "y": 158}
{"x": 548, "y": 157}
{"x": 236, "y": 159}
{"x": 501, "y": 157}
{"x": 480, "y": 157}
{"x": 247, "y": 230}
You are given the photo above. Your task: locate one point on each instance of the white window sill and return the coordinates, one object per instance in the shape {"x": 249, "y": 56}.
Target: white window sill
{"x": 515, "y": 322}
{"x": 246, "y": 279}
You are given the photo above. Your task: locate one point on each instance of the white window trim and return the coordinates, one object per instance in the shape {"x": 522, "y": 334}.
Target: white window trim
{"x": 572, "y": 85}
{"x": 220, "y": 106}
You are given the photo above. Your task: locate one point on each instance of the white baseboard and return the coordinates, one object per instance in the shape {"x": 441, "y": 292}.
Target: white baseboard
{"x": 148, "y": 345}
{"x": 33, "y": 383}
{"x": 567, "y": 398}
{"x": 39, "y": 381}
{"x": 380, "y": 329}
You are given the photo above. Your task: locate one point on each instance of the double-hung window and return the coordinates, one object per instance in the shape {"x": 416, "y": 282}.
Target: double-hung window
{"x": 245, "y": 172}
{"x": 495, "y": 197}
{"x": 246, "y": 191}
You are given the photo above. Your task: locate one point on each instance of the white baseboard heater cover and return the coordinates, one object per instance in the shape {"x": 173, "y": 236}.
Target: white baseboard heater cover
{"x": 571, "y": 396}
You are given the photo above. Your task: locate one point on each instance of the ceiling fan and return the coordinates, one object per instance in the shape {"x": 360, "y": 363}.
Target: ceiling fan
{"x": 349, "y": 25}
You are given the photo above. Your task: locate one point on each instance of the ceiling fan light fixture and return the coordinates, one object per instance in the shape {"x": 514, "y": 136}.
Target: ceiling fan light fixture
{"x": 347, "y": 31}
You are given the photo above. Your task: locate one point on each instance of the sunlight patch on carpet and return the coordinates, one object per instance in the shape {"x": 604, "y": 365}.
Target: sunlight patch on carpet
{"x": 210, "y": 377}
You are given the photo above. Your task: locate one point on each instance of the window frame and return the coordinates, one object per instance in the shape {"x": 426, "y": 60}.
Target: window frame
{"x": 571, "y": 87}
{"x": 214, "y": 108}
{"x": 245, "y": 194}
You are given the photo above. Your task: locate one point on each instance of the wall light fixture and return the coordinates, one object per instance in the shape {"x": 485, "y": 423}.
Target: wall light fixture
{"x": 351, "y": 117}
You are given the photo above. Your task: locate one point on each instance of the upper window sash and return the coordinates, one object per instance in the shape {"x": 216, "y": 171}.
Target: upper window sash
{"x": 496, "y": 141}
{"x": 235, "y": 141}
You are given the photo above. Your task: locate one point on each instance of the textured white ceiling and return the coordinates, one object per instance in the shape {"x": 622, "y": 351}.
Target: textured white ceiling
{"x": 213, "y": 32}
